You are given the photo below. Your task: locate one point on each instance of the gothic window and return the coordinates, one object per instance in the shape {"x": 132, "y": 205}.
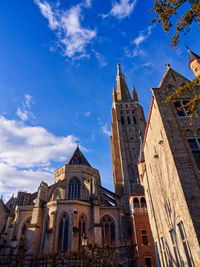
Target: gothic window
{"x": 56, "y": 195}
{"x": 195, "y": 147}
{"x": 136, "y": 202}
{"x": 46, "y": 236}
{"x": 63, "y": 234}
{"x": 122, "y": 120}
{"x": 128, "y": 119}
{"x": 179, "y": 108}
{"x": 108, "y": 231}
{"x": 185, "y": 243}
{"x": 144, "y": 237}
{"x": 82, "y": 228}
{"x": 24, "y": 232}
{"x": 143, "y": 202}
{"x": 173, "y": 240}
{"x": 74, "y": 189}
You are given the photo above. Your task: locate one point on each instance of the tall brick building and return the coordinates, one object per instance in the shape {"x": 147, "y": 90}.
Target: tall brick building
{"x": 170, "y": 172}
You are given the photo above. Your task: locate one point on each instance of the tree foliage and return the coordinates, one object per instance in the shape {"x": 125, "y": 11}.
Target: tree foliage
{"x": 167, "y": 13}
{"x": 193, "y": 87}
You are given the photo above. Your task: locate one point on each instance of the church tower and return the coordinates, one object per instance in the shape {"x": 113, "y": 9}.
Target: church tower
{"x": 128, "y": 126}
{"x": 194, "y": 62}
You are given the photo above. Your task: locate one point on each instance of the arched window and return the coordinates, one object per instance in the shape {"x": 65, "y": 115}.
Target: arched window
{"x": 82, "y": 228}
{"x": 108, "y": 231}
{"x": 63, "y": 234}
{"x": 74, "y": 189}
{"x": 56, "y": 195}
{"x": 46, "y": 236}
{"x": 24, "y": 231}
{"x": 136, "y": 202}
{"x": 143, "y": 202}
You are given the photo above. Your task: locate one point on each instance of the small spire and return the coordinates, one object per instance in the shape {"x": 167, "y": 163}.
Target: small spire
{"x": 168, "y": 66}
{"x": 114, "y": 94}
{"x": 134, "y": 94}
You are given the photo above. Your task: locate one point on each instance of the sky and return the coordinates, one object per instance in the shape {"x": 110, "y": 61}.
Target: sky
{"x": 57, "y": 70}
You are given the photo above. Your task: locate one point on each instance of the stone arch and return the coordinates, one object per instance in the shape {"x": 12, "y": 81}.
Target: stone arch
{"x": 23, "y": 233}
{"x": 74, "y": 188}
{"x": 56, "y": 194}
{"x": 108, "y": 230}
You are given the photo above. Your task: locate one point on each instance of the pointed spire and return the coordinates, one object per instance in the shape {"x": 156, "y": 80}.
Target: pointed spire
{"x": 134, "y": 94}
{"x": 192, "y": 56}
{"x": 114, "y": 94}
{"x": 122, "y": 89}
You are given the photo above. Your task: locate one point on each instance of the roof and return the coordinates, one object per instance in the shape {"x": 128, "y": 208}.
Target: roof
{"x": 77, "y": 158}
{"x": 192, "y": 56}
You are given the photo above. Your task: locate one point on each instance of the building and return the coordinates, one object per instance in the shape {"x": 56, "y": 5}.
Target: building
{"x": 170, "y": 174}
{"x": 77, "y": 209}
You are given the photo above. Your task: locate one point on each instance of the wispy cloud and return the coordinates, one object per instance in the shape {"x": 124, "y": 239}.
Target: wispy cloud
{"x": 121, "y": 9}
{"x": 24, "y": 112}
{"x": 26, "y": 155}
{"x": 87, "y": 114}
{"x": 72, "y": 37}
{"x": 101, "y": 59}
{"x": 134, "y": 49}
{"x": 105, "y": 130}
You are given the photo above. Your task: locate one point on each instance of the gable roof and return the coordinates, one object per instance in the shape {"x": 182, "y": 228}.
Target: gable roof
{"x": 175, "y": 75}
{"x": 77, "y": 158}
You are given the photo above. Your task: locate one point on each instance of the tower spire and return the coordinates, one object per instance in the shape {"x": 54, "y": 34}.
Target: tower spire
{"x": 134, "y": 94}
{"x": 122, "y": 89}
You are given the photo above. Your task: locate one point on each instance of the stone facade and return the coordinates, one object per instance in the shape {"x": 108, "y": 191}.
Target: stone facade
{"x": 171, "y": 176}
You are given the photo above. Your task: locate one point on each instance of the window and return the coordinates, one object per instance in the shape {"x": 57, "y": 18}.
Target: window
{"x": 163, "y": 251}
{"x": 56, "y": 195}
{"x": 24, "y": 232}
{"x": 179, "y": 108}
{"x": 128, "y": 119}
{"x": 144, "y": 237}
{"x": 185, "y": 243}
{"x": 63, "y": 234}
{"x": 196, "y": 69}
{"x": 82, "y": 228}
{"x": 136, "y": 202}
{"x": 108, "y": 231}
{"x": 74, "y": 189}
{"x": 46, "y": 236}
{"x": 195, "y": 147}
{"x": 143, "y": 202}
{"x": 148, "y": 262}
{"x": 173, "y": 239}
{"x": 122, "y": 120}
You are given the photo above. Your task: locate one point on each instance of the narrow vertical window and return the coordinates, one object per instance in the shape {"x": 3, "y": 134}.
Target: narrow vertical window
{"x": 63, "y": 234}
{"x": 144, "y": 237}
{"x": 148, "y": 262}
{"x": 143, "y": 202}
{"x": 122, "y": 120}
{"x": 173, "y": 239}
{"x": 82, "y": 228}
{"x": 128, "y": 119}
{"x": 195, "y": 147}
{"x": 134, "y": 119}
{"x": 136, "y": 202}
{"x": 185, "y": 243}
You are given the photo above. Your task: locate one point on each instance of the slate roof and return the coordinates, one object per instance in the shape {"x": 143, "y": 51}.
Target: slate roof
{"x": 192, "y": 56}
{"x": 77, "y": 158}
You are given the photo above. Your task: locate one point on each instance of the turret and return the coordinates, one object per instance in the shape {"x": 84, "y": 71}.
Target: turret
{"x": 194, "y": 62}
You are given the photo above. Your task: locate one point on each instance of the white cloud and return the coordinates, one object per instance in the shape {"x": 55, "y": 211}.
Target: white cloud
{"x": 121, "y": 9}
{"x": 101, "y": 59}
{"x": 24, "y": 112}
{"x": 143, "y": 35}
{"x": 136, "y": 50}
{"x": 105, "y": 130}
{"x": 26, "y": 155}
{"x": 87, "y": 114}
{"x": 72, "y": 36}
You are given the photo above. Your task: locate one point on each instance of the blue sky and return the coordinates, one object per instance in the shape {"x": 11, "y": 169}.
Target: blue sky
{"x": 57, "y": 69}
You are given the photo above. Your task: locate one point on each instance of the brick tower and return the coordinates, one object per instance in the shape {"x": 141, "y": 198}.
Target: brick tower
{"x": 128, "y": 125}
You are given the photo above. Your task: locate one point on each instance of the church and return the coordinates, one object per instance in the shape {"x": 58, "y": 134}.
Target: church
{"x": 155, "y": 163}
